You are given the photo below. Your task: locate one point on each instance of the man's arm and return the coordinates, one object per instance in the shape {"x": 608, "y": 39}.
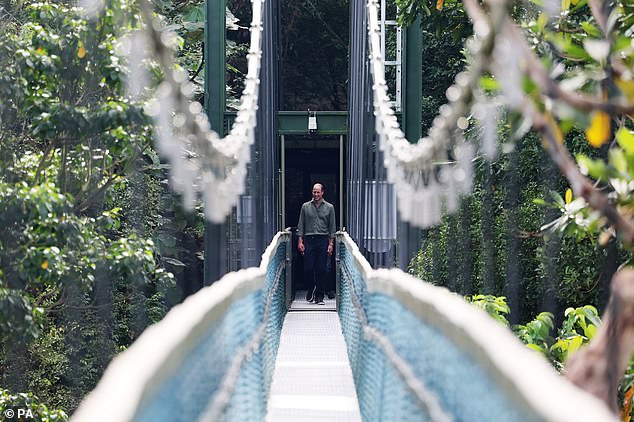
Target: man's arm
{"x": 300, "y": 232}
{"x": 331, "y": 231}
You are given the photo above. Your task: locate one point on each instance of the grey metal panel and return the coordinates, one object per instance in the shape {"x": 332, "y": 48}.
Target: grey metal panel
{"x": 371, "y": 218}
{"x": 255, "y": 221}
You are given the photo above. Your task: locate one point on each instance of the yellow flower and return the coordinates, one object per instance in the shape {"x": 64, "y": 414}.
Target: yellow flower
{"x": 598, "y": 133}
{"x": 44, "y": 264}
{"x": 81, "y": 52}
{"x": 568, "y": 196}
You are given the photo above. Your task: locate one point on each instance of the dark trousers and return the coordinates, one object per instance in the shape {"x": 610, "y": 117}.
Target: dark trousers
{"x": 315, "y": 255}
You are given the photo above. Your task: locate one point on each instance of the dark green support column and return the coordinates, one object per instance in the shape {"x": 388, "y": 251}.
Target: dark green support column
{"x": 215, "y": 234}
{"x": 215, "y": 64}
{"x": 409, "y": 236}
{"x": 413, "y": 88}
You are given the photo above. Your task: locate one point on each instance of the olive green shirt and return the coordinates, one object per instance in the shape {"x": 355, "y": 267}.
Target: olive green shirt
{"x": 314, "y": 220}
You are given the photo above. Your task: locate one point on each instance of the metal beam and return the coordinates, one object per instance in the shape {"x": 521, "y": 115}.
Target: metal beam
{"x": 296, "y": 122}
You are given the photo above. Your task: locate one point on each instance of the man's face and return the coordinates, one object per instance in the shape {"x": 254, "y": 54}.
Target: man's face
{"x": 317, "y": 193}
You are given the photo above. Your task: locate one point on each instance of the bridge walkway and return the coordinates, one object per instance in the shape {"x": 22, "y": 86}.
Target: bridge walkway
{"x": 312, "y": 380}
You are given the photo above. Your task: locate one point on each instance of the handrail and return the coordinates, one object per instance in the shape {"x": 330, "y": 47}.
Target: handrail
{"x": 521, "y": 374}
{"x": 134, "y": 376}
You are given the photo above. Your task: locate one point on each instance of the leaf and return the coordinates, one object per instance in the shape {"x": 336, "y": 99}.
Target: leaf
{"x": 173, "y": 261}
{"x": 597, "y": 49}
{"x": 575, "y": 344}
{"x": 627, "y": 87}
{"x": 617, "y": 160}
{"x": 590, "y": 331}
{"x": 535, "y": 347}
{"x": 595, "y": 168}
{"x": 81, "y": 52}
{"x": 565, "y": 5}
{"x": 542, "y": 21}
{"x": 592, "y": 314}
{"x": 44, "y": 264}
{"x": 590, "y": 29}
{"x": 196, "y": 14}
{"x": 489, "y": 84}
{"x": 598, "y": 133}
{"x": 568, "y": 196}
{"x": 625, "y": 139}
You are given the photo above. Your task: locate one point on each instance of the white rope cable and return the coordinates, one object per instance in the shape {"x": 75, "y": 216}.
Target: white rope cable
{"x": 431, "y": 174}
{"x": 424, "y": 395}
{"x": 203, "y": 164}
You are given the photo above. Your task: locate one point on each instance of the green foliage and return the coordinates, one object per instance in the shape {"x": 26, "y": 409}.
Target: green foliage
{"x": 579, "y": 326}
{"x": 314, "y": 54}
{"x": 28, "y": 402}
{"x": 577, "y": 329}
{"x": 536, "y": 334}
{"x": 65, "y": 108}
{"x": 82, "y": 272}
{"x": 495, "y": 306}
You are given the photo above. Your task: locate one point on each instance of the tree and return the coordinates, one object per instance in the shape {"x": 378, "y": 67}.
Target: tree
{"x": 80, "y": 275}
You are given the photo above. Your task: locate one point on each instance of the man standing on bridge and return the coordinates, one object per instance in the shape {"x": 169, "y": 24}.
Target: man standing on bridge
{"x": 316, "y": 231}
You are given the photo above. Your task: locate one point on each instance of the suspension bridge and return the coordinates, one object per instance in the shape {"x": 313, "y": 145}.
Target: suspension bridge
{"x": 388, "y": 346}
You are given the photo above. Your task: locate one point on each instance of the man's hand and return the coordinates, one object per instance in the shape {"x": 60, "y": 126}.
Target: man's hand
{"x": 330, "y": 248}
{"x": 300, "y": 246}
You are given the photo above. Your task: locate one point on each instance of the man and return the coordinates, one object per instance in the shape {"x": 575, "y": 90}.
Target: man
{"x": 316, "y": 231}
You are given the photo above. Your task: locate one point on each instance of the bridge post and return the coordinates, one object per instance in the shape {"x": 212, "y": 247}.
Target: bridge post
{"x": 289, "y": 268}
{"x": 215, "y": 243}
{"x": 337, "y": 270}
{"x": 408, "y": 235}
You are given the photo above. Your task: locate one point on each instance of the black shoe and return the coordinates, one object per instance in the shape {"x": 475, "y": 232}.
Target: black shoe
{"x": 330, "y": 294}
{"x": 310, "y": 295}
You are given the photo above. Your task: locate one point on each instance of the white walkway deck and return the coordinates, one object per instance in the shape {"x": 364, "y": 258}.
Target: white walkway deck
{"x": 312, "y": 379}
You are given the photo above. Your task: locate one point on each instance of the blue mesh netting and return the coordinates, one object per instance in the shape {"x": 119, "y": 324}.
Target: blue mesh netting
{"x": 464, "y": 389}
{"x": 185, "y": 395}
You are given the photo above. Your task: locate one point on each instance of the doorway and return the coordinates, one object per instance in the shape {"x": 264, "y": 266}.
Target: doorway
{"x": 308, "y": 160}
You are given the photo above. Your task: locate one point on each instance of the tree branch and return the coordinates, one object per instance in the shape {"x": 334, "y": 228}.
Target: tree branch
{"x": 43, "y": 160}
{"x": 200, "y": 65}
{"x": 581, "y": 186}
{"x": 536, "y": 71}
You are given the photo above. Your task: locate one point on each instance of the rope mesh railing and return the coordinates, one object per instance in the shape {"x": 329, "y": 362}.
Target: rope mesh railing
{"x": 419, "y": 352}
{"x": 211, "y": 358}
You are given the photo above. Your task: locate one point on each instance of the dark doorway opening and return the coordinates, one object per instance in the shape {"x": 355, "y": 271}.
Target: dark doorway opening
{"x": 310, "y": 160}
